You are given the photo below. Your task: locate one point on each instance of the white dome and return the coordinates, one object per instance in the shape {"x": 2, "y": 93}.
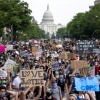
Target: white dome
{"x": 48, "y": 17}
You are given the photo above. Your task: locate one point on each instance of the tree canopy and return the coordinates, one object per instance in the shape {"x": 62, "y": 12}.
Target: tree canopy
{"x": 18, "y": 14}
{"x": 85, "y": 25}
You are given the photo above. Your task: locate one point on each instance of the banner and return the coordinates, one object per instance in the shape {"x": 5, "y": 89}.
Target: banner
{"x": 32, "y": 77}
{"x": 2, "y": 48}
{"x": 87, "y": 84}
{"x": 86, "y": 47}
{"x": 9, "y": 65}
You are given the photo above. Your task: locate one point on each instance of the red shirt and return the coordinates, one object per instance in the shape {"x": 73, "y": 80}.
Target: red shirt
{"x": 96, "y": 70}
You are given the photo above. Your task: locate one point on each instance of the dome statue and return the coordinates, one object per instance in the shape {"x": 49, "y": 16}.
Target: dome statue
{"x": 47, "y": 17}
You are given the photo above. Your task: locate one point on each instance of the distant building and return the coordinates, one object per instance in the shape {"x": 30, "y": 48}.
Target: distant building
{"x": 47, "y": 23}
{"x": 95, "y": 2}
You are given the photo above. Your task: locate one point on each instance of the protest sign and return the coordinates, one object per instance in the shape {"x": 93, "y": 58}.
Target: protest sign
{"x": 34, "y": 48}
{"x": 3, "y": 74}
{"x": 87, "y": 84}
{"x": 55, "y": 66}
{"x": 63, "y": 56}
{"x": 9, "y": 65}
{"x": 84, "y": 71}
{"x": 78, "y": 64}
{"x": 32, "y": 77}
{"x": 2, "y": 48}
{"x": 71, "y": 55}
{"x": 25, "y": 54}
{"x": 9, "y": 47}
{"x": 97, "y": 51}
{"x": 38, "y": 54}
{"x": 86, "y": 47}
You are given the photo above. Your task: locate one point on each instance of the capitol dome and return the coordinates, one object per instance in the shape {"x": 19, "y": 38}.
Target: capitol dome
{"x": 47, "y": 17}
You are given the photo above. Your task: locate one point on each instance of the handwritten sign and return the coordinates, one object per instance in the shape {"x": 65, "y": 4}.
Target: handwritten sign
{"x": 84, "y": 71}
{"x": 38, "y": 54}
{"x": 9, "y": 65}
{"x": 63, "y": 56}
{"x": 2, "y": 48}
{"x": 71, "y": 55}
{"x": 87, "y": 84}
{"x": 86, "y": 47}
{"x": 78, "y": 64}
{"x": 34, "y": 48}
{"x": 32, "y": 77}
{"x": 55, "y": 66}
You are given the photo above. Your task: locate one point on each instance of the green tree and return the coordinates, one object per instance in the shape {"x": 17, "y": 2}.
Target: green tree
{"x": 53, "y": 36}
{"x": 47, "y": 36}
{"x": 61, "y": 32}
{"x": 85, "y": 25}
{"x": 15, "y": 13}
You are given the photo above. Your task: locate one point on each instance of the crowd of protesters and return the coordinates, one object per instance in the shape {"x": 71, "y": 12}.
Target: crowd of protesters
{"x": 59, "y": 84}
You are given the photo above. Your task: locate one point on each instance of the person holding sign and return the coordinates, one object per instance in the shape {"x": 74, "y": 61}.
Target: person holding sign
{"x": 29, "y": 94}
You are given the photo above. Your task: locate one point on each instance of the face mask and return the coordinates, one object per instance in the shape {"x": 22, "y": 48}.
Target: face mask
{"x": 54, "y": 86}
{"x": 56, "y": 72}
{"x": 48, "y": 94}
{"x": 61, "y": 76}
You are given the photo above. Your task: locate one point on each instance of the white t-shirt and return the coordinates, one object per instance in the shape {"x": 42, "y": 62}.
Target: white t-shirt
{"x": 16, "y": 82}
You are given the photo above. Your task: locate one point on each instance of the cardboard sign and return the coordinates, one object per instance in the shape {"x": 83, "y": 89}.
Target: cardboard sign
{"x": 9, "y": 65}
{"x": 84, "y": 71}
{"x": 78, "y": 64}
{"x": 86, "y": 47}
{"x": 71, "y": 55}
{"x": 34, "y": 48}
{"x": 2, "y": 74}
{"x": 32, "y": 77}
{"x": 87, "y": 84}
{"x": 2, "y": 48}
{"x": 63, "y": 56}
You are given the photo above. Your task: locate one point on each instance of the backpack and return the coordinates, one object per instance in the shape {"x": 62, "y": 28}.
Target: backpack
{"x": 52, "y": 98}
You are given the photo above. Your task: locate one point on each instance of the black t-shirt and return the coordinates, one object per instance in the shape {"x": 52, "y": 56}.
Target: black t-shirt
{"x": 6, "y": 97}
{"x": 68, "y": 78}
{"x": 61, "y": 84}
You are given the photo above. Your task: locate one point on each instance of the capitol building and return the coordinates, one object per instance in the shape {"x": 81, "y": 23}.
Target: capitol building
{"x": 95, "y": 2}
{"x": 48, "y": 24}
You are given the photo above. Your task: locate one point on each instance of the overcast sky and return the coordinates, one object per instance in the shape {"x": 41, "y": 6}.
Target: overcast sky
{"x": 62, "y": 10}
